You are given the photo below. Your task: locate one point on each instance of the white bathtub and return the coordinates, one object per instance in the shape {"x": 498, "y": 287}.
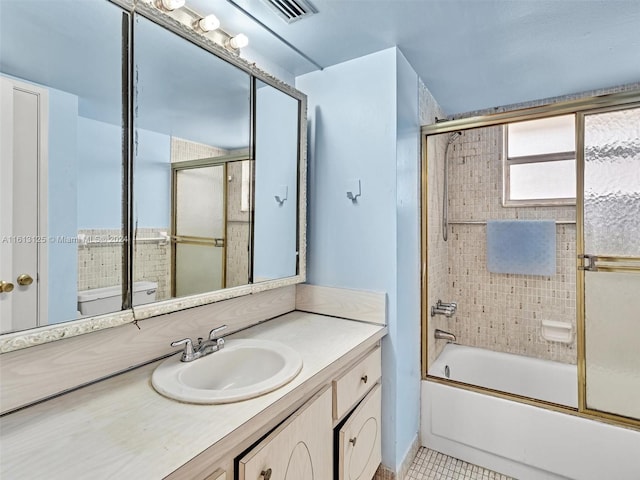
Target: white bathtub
{"x": 530, "y": 377}
{"x": 524, "y": 441}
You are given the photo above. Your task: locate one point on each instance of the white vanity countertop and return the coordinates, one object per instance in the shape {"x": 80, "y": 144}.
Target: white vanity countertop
{"x": 122, "y": 428}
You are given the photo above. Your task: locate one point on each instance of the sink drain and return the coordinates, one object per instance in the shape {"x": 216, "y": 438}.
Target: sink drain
{"x": 447, "y": 372}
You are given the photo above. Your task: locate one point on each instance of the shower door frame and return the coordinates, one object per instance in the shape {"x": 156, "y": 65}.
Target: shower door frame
{"x": 579, "y": 107}
{"x": 221, "y": 161}
{"x": 582, "y": 267}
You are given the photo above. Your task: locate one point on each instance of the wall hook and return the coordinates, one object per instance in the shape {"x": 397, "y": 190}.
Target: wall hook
{"x": 284, "y": 195}
{"x": 352, "y": 194}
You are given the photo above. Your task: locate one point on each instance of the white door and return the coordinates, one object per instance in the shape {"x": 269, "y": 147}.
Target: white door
{"x": 23, "y": 215}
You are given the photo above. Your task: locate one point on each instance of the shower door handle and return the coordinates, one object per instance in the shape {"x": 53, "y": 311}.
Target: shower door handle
{"x": 609, "y": 263}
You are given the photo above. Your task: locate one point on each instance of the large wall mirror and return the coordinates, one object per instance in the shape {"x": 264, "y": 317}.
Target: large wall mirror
{"x": 182, "y": 180}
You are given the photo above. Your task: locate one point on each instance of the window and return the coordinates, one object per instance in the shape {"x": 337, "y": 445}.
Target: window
{"x": 540, "y": 162}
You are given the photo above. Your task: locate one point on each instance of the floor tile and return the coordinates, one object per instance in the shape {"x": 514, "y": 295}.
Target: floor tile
{"x": 432, "y": 465}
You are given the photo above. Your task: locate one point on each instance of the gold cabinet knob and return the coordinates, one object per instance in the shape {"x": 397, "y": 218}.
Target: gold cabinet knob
{"x": 25, "y": 280}
{"x": 5, "y": 287}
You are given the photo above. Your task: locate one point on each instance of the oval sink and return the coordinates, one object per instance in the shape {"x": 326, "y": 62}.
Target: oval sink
{"x": 243, "y": 369}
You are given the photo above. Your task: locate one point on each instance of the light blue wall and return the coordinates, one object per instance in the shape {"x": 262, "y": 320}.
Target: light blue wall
{"x": 62, "y": 207}
{"x": 408, "y": 258}
{"x": 99, "y": 174}
{"x": 275, "y": 225}
{"x": 152, "y": 180}
{"x": 363, "y": 126}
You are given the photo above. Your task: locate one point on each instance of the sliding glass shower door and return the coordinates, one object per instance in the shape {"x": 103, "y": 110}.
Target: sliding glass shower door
{"x": 611, "y": 262}
{"x": 199, "y": 229}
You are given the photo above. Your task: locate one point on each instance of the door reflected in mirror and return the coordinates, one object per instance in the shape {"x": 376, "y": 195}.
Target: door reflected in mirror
{"x": 61, "y": 237}
{"x": 191, "y": 166}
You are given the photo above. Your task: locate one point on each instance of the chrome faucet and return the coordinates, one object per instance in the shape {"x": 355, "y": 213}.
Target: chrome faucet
{"x": 446, "y": 309}
{"x": 203, "y": 348}
{"x": 442, "y": 335}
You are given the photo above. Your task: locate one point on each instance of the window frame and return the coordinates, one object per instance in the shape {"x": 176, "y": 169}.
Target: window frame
{"x": 507, "y": 162}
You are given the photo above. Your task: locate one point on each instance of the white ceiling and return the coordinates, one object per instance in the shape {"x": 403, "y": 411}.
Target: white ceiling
{"x": 472, "y": 54}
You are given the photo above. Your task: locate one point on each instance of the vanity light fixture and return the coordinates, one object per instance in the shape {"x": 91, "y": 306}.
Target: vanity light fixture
{"x": 171, "y": 5}
{"x": 239, "y": 41}
{"x": 208, "y": 23}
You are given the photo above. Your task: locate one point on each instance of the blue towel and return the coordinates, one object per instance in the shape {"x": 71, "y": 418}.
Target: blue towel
{"x": 527, "y": 247}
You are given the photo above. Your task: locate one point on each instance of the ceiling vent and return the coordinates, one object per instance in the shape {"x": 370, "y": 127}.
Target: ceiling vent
{"x": 291, "y": 10}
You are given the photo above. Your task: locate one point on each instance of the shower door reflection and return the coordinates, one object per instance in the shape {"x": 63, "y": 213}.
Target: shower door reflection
{"x": 612, "y": 263}
{"x": 198, "y": 240}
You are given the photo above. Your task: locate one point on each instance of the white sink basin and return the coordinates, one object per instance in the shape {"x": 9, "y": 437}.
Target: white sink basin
{"x": 243, "y": 369}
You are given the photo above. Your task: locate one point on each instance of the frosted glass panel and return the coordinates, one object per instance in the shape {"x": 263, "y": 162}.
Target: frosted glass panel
{"x": 612, "y": 323}
{"x": 200, "y": 201}
{"x": 198, "y": 269}
{"x": 612, "y": 183}
{"x": 537, "y": 137}
{"x": 542, "y": 180}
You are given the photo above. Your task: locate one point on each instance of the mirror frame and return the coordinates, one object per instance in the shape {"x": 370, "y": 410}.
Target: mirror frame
{"x": 27, "y": 338}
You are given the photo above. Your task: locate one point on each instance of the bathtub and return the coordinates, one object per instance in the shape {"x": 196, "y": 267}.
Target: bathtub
{"x": 524, "y": 441}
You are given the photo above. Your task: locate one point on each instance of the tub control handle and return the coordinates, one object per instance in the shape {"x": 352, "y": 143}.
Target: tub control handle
{"x": 364, "y": 378}
{"x": 266, "y": 474}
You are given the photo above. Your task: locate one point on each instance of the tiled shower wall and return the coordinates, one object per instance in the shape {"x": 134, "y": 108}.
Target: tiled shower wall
{"x": 237, "y": 228}
{"x": 100, "y": 261}
{"x": 502, "y": 312}
{"x": 499, "y": 312}
{"x": 437, "y": 263}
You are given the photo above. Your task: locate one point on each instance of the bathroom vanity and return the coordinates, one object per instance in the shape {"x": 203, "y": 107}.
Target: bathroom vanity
{"x": 122, "y": 426}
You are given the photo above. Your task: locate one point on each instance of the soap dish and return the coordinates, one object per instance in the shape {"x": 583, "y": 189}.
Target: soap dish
{"x": 554, "y": 331}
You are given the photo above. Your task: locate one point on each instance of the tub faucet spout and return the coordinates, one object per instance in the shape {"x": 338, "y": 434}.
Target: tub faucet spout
{"x": 442, "y": 335}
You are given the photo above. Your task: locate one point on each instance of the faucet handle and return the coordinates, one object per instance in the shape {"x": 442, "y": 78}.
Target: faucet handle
{"x": 213, "y": 334}
{"x": 188, "y": 352}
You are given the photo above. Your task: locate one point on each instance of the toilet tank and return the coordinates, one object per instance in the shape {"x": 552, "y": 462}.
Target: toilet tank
{"x": 98, "y": 301}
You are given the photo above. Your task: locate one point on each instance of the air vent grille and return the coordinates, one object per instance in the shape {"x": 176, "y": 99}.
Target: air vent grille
{"x": 291, "y": 10}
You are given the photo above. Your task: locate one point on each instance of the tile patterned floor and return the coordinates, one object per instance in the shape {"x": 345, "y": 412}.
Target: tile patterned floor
{"x": 432, "y": 465}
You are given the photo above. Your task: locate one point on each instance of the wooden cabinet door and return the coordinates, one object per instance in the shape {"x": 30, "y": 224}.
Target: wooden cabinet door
{"x": 299, "y": 449}
{"x": 360, "y": 446}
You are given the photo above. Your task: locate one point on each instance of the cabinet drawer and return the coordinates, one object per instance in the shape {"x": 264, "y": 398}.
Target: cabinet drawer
{"x": 299, "y": 449}
{"x": 355, "y": 384}
{"x": 217, "y": 475}
{"x": 359, "y": 448}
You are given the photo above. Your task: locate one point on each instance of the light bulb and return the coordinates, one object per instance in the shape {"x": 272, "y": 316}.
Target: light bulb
{"x": 173, "y": 4}
{"x": 209, "y": 23}
{"x": 239, "y": 41}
